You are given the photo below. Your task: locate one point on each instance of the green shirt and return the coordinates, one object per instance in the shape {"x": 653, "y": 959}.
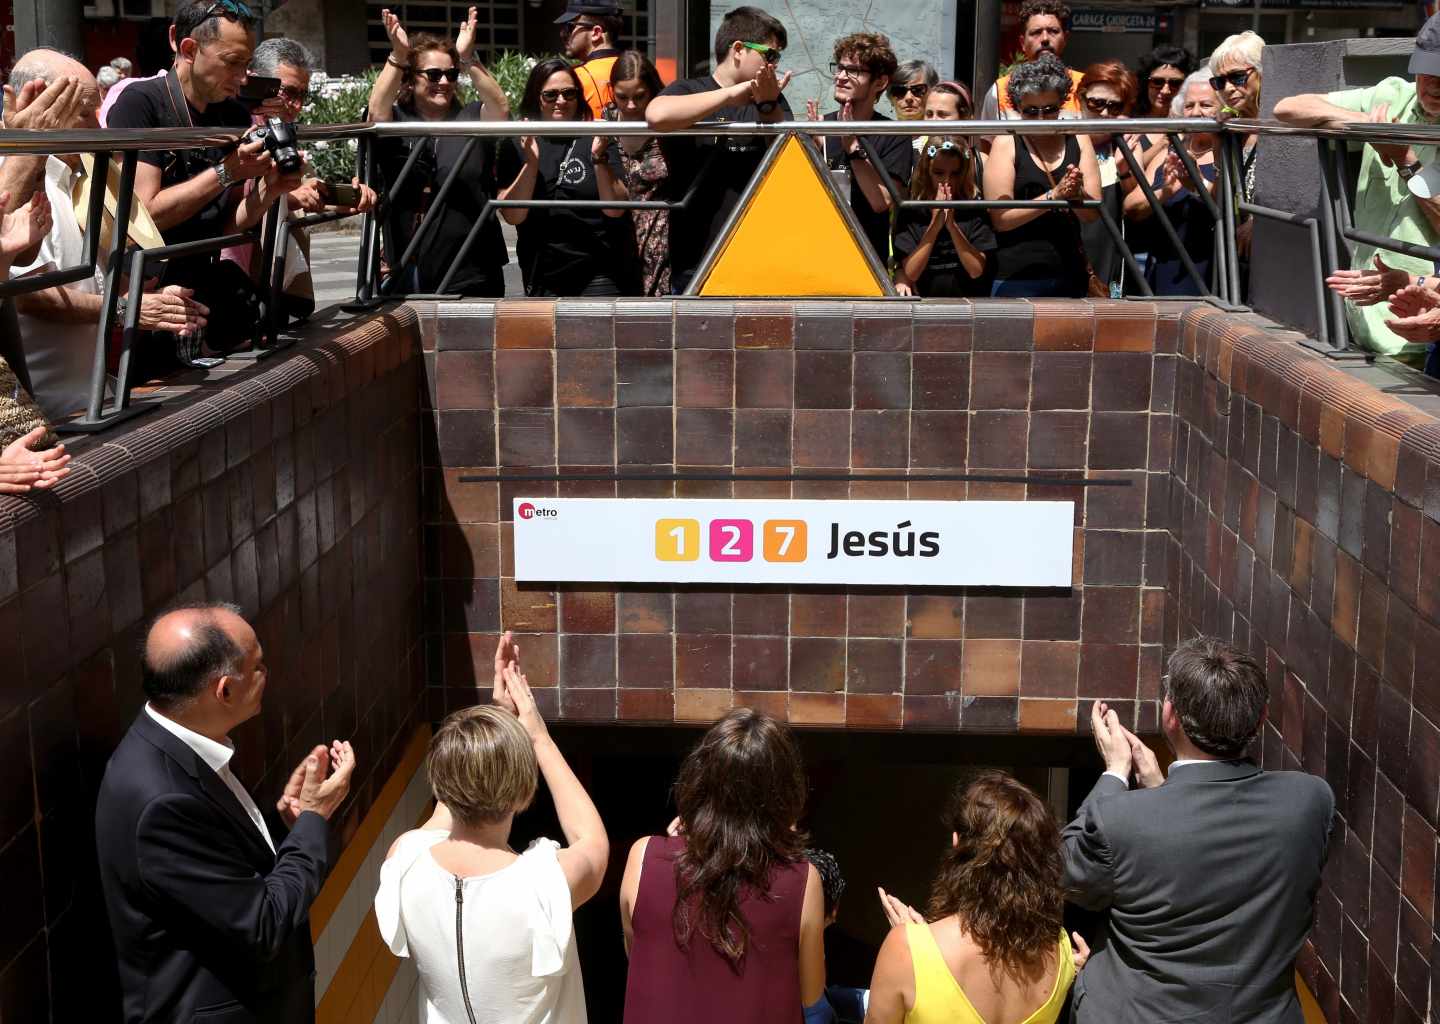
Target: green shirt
{"x": 1384, "y": 206}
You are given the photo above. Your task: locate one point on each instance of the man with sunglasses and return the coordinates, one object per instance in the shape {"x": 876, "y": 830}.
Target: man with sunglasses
{"x": 863, "y": 68}
{"x": 589, "y": 31}
{"x": 743, "y": 87}
{"x": 1390, "y": 194}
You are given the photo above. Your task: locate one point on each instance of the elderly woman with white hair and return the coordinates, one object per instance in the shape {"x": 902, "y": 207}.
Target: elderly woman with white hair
{"x": 1179, "y": 196}
{"x": 1235, "y": 77}
{"x": 1040, "y": 250}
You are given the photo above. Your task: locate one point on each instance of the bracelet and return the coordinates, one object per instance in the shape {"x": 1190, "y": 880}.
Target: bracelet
{"x": 1420, "y": 281}
{"x": 390, "y": 59}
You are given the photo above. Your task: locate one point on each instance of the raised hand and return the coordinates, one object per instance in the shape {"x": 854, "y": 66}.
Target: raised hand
{"x": 765, "y": 87}
{"x": 897, "y": 911}
{"x": 514, "y": 696}
{"x": 1365, "y": 286}
{"x": 598, "y": 147}
{"x": 23, "y": 229}
{"x": 399, "y": 40}
{"x": 22, "y": 469}
{"x": 465, "y": 38}
{"x": 289, "y": 803}
{"x": 945, "y": 192}
{"x": 812, "y": 110}
{"x": 1110, "y": 740}
{"x": 507, "y": 655}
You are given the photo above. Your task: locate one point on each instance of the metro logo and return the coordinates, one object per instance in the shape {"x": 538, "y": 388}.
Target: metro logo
{"x": 529, "y": 511}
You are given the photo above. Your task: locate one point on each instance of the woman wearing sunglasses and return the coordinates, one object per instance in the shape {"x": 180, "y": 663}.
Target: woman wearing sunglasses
{"x": 1107, "y": 91}
{"x": 420, "y": 82}
{"x": 912, "y": 83}
{"x": 1040, "y": 250}
{"x": 944, "y": 253}
{"x": 1176, "y": 190}
{"x": 1235, "y": 77}
{"x": 565, "y": 251}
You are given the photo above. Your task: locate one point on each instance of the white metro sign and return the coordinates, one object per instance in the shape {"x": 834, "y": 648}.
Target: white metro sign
{"x": 741, "y": 541}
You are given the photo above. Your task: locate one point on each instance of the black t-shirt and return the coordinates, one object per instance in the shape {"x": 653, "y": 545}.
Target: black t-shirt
{"x": 463, "y": 203}
{"x": 562, "y": 250}
{"x": 153, "y": 103}
{"x": 736, "y": 160}
{"x": 897, "y": 157}
{"x": 943, "y": 275}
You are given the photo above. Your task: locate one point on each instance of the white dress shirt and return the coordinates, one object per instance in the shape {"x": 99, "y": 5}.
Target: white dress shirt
{"x": 217, "y": 756}
{"x": 59, "y": 356}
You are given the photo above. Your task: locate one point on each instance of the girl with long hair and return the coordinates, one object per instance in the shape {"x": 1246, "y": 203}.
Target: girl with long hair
{"x": 943, "y": 252}
{"x": 566, "y": 251}
{"x": 991, "y": 947}
{"x": 634, "y": 81}
{"x": 724, "y": 920}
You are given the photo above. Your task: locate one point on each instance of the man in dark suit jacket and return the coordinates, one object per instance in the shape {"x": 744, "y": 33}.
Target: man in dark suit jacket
{"x": 209, "y": 899}
{"x": 1209, "y": 876}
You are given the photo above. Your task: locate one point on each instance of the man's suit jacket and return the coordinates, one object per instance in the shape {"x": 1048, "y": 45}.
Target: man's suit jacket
{"x": 209, "y": 924}
{"x": 1210, "y": 883}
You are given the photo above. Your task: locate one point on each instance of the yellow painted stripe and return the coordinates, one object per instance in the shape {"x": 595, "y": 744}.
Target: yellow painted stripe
{"x": 365, "y": 974}
{"x": 1308, "y": 1004}
{"x": 348, "y": 866}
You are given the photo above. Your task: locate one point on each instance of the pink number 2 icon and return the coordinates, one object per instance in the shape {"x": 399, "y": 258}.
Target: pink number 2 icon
{"x": 731, "y": 540}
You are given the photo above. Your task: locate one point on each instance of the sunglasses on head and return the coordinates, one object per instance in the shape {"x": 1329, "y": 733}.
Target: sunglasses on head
{"x": 1097, "y": 105}
{"x": 556, "y": 95}
{"x": 233, "y": 8}
{"x": 1235, "y": 78}
{"x": 1048, "y": 110}
{"x": 771, "y": 55}
{"x": 435, "y": 75}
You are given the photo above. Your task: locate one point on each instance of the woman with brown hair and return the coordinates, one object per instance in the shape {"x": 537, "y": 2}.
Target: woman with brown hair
{"x": 1107, "y": 91}
{"x": 991, "y": 948}
{"x": 724, "y": 920}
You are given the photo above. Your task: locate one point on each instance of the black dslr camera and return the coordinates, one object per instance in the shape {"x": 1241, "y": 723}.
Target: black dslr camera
{"x": 279, "y": 139}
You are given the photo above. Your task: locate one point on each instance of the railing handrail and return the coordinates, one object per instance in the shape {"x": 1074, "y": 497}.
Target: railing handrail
{"x": 119, "y": 140}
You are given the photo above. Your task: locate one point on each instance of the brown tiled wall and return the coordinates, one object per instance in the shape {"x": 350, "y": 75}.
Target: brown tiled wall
{"x": 1306, "y": 517}
{"x": 290, "y": 488}
{"x": 1068, "y": 390}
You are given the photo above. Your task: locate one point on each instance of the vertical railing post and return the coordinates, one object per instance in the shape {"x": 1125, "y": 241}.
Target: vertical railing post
{"x": 1329, "y": 243}
{"x": 114, "y": 269}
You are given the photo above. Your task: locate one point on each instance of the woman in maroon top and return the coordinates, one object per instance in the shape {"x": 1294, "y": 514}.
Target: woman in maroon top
{"x": 724, "y": 921}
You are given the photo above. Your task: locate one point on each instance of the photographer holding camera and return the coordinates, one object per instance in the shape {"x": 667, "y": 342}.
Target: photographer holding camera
{"x": 191, "y": 194}
{"x": 284, "y": 66}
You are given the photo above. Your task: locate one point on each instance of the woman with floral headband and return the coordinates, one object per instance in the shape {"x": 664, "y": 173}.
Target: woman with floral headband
{"x": 944, "y": 252}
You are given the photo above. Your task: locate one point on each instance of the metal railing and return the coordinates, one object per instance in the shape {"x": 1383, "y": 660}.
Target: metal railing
{"x": 1327, "y": 233}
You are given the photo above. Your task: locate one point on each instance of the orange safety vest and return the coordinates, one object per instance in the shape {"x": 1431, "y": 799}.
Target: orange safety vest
{"x": 594, "y": 78}
{"x": 1072, "y": 105}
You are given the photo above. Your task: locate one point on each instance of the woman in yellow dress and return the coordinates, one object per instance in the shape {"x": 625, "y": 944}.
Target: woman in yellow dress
{"x": 990, "y": 948}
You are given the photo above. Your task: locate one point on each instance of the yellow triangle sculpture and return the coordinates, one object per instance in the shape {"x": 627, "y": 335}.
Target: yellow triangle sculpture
{"x": 792, "y": 238}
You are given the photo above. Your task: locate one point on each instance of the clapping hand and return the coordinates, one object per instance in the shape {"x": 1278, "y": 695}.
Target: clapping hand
{"x": 41, "y": 107}
{"x": 24, "y": 228}
{"x": 897, "y": 911}
{"x": 1147, "y": 768}
{"x": 812, "y": 110}
{"x": 21, "y": 469}
{"x": 512, "y": 689}
{"x": 1364, "y": 286}
{"x": 1416, "y": 314}
{"x": 1110, "y": 740}
{"x": 765, "y": 87}
{"x": 1071, "y": 186}
{"x": 171, "y": 308}
{"x": 319, "y": 783}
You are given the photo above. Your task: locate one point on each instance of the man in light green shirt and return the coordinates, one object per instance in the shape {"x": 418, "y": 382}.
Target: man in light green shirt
{"x": 1384, "y": 204}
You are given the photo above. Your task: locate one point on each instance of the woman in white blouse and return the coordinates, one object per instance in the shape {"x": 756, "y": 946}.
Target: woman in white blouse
{"x": 490, "y": 929}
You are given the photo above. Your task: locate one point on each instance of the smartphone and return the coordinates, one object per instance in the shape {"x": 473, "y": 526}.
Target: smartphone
{"x": 259, "y": 88}
{"x": 342, "y": 193}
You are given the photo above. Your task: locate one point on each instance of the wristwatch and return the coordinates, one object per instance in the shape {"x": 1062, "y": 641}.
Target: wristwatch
{"x": 767, "y": 106}
{"x": 1408, "y": 171}
{"x": 851, "y": 155}
{"x": 223, "y": 173}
